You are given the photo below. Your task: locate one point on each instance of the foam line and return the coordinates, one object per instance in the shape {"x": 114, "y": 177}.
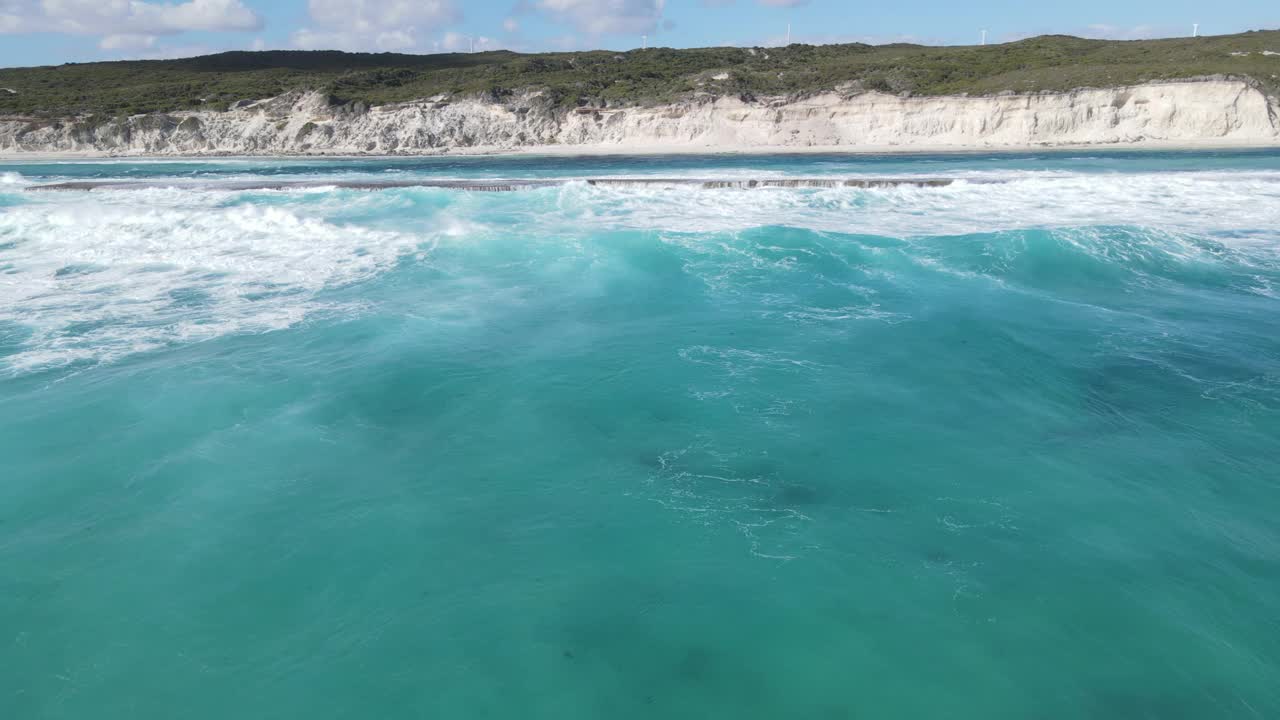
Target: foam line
{"x": 507, "y": 185}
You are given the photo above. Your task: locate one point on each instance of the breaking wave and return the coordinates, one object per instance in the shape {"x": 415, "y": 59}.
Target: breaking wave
{"x": 92, "y": 277}
{"x": 93, "y": 281}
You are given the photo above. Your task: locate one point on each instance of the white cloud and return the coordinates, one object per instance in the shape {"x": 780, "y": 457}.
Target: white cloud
{"x": 125, "y": 17}
{"x": 454, "y": 42}
{"x": 203, "y": 15}
{"x": 605, "y": 17}
{"x": 458, "y": 42}
{"x": 370, "y": 15}
{"x": 388, "y": 41}
{"x": 167, "y": 52}
{"x": 511, "y": 25}
{"x": 127, "y": 42}
{"x": 395, "y": 39}
{"x": 373, "y": 24}
{"x": 783, "y": 3}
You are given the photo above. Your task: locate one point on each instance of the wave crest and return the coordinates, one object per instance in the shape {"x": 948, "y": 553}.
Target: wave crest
{"x": 93, "y": 281}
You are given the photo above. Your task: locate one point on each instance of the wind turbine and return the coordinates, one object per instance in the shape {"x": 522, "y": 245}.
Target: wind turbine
{"x": 644, "y": 42}
{"x": 788, "y": 42}
{"x": 1195, "y": 30}
{"x": 984, "y": 37}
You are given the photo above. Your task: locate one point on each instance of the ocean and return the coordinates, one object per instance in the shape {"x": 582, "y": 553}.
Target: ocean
{"x": 1007, "y": 447}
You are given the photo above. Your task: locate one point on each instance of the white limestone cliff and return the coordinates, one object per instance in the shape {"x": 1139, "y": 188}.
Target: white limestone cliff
{"x": 1214, "y": 111}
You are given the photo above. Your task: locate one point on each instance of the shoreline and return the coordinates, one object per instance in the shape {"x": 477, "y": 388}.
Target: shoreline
{"x": 23, "y": 157}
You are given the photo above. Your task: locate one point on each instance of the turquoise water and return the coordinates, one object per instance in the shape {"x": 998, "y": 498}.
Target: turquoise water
{"x": 1000, "y": 450}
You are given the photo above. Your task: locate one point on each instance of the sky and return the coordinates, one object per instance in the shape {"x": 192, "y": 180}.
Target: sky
{"x": 48, "y": 32}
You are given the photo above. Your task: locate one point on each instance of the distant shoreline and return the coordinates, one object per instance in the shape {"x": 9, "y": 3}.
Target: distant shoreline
{"x": 658, "y": 151}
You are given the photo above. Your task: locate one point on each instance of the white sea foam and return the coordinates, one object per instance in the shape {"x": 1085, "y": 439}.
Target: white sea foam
{"x": 93, "y": 278}
{"x": 1247, "y": 205}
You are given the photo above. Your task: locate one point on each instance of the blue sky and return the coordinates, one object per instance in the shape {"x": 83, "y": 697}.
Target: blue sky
{"x": 39, "y": 32}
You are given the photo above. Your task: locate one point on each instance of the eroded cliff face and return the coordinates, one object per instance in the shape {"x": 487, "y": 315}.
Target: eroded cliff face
{"x": 1185, "y": 112}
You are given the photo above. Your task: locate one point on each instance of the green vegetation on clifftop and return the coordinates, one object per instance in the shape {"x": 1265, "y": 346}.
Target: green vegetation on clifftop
{"x": 638, "y": 77}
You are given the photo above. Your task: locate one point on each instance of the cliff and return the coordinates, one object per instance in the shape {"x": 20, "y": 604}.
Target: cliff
{"x": 1187, "y": 112}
